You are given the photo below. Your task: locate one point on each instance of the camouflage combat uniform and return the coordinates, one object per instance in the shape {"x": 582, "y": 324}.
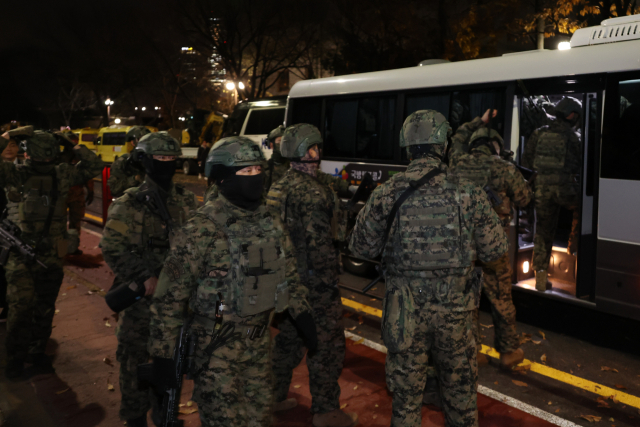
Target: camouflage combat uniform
{"x": 208, "y": 258}
{"x": 555, "y": 151}
{"x": 32, "y": 290}
{"x": 133, "y": 229}
{"x": 123, "y": 176}
{"x": 307, "y": 207}
{"x": 483, "y": 168}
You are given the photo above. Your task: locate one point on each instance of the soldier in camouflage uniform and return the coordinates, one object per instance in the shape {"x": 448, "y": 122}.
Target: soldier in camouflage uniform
{"x": 555, "y": 151}
{"x": 134, "y": 244}
{"x": 42, "y": 186}
{"x": 125, "y": 171}
{"x": 477, "y": 158}
{"x": 233, "y": 264}
{"x": 432, "y": 290}
{"x": 309, "y": 207}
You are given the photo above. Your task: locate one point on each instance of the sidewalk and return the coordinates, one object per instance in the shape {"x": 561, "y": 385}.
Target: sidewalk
{"x": 84, "y": 392}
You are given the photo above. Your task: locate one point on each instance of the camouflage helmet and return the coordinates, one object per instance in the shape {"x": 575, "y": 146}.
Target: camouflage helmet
{"x": 568, "y": 105}
{"x": 158, "y": 144}
{"x": 297, "y": 139}
{"x": 424, "y": 127}
{"x": 234, "y": 151}
{"x": 276, "y": 133}
{"x": 41, "y": 147}
{"x": 484, "y": 132}
{"x": 136, "y": 132}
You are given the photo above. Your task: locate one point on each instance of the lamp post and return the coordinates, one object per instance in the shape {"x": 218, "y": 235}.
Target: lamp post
{"x": 108, "y": 103}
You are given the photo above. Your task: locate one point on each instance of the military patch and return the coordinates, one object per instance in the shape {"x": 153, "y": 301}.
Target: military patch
{"x": 174, "y": 269}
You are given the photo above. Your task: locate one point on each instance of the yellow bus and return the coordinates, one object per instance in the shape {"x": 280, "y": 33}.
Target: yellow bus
{"x": 111, "y": 142}
{"x": 87, "y": 137}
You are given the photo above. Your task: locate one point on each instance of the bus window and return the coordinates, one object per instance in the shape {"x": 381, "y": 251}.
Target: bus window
{"x": 362, "y": 129}
{"x": 466, "y": 106}
{"x": 114, "y": 138}
{"x": 263, "y": 121}
{"x": 89, "y": 137}
{"x": 438, "y": 102}
{"x": 621, "y": 145}
{"x": 307, "y": 111}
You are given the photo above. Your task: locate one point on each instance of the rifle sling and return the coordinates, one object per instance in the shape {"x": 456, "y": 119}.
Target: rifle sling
{"x": 414, "y": 185}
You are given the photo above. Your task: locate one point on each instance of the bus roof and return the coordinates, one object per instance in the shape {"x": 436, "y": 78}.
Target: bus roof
{"x": 610, "y": 57}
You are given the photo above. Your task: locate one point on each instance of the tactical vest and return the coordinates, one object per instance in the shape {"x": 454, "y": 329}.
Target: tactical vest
{"x": 256, "y": 281}
{"x": 37, "y": 197}
{"x": 551, "y": 152}
{"x": 153, "y": 234}
{"x": 429, "y": 233}
{"x": 13, "y": 204}
{"x": 477, "y": 169}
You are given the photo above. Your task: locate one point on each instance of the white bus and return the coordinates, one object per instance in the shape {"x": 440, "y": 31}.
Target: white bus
{"x": 360, "y": 117}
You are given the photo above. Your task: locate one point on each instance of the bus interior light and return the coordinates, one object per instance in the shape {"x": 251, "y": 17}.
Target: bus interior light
{"x": 564, "y": 46}
{"x": 525, "y": 267}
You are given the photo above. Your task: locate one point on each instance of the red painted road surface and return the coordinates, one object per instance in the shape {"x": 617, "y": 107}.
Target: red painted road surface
{"x": 83, "y": 342}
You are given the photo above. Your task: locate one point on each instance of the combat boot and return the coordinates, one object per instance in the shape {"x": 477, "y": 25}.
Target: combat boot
{"x": 509, "y": 360}
{"x": 285, "y": 405}
{"x": 42, "y": 363}
{"x": 14, "y": 369}
{"x": 335, "y": 418}
{"x": 141, "y": 421}
{"x": 542, "y": 281}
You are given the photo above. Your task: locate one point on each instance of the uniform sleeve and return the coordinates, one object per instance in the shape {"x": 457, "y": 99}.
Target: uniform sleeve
{"x": 367, "y": 236}
{"x": 191, "y": 201}
{"x": 88, "y": 167}
{"x": 9, "y": 175}
{"x": 176, "y": 283}
{"x": 124, "y": 257}
{"x": 490, "y": 238}
{"x": 120, "y": 180}
{"x": 518, "y": 189}
{"x": 460, "y": 141}
{"x": 530, "y": 150}
{"x": 298, "y": 293}
{"x": 211, "y": 193}
{"x": 338, "y": 184}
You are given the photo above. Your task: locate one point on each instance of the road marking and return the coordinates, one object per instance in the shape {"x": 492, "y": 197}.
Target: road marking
{"x": 507, "y": 400}
{"x": 361, "y": 307}
{"x": 86, "y": 230}
{"x": 538, "y": 368}
{"x": 578, "y": 382}
{"x": 93, "y": 217}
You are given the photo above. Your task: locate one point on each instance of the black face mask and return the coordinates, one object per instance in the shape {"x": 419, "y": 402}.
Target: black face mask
{"x": 244, "y": 191}
{"x": 160, "y": 172}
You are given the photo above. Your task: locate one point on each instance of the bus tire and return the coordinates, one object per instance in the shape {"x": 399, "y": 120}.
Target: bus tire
{"x": 189, "y": 167}
{"x": 357, "y": 267}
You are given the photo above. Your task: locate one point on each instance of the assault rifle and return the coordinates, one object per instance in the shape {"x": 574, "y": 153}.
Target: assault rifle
{"x": 170, "y": 397}
{"x": 363, "y": 192}
{"x": 528, "y": 174}
{"x": 10, "y": 239}
{"x": 152, "y": 198}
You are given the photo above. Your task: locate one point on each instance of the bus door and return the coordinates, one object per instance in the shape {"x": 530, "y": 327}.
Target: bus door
{"x": 568, "y": 222}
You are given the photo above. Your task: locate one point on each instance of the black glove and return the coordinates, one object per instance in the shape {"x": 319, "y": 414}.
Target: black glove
{"x": 89, "y": 198}
{"x": 164, "y": 373}
{"x": 307, "y": 326}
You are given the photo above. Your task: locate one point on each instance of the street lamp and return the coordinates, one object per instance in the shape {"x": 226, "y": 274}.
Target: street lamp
{"x": 230, "y": 86}
{"x": 144, "y": 108}
{"x": 117, "y": 121}
{"x": 240, "y": 85}
{"x": 108, "y": 103}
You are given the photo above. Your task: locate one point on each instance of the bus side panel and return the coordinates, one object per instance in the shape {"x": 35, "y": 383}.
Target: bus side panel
{"x": 618, "y": 261}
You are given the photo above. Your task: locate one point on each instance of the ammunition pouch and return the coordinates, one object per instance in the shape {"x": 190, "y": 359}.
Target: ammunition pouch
{"x": 398, "y": 318}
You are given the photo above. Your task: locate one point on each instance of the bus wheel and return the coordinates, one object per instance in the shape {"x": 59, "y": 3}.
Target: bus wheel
{"x": 189, "y": 167}
{"x": 357, "y": 267}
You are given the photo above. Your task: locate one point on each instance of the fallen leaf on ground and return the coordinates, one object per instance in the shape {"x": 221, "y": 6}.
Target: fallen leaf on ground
{"x": 296, "y": 386}
{"x": 351, "y": 328}
{"x": 110, "y": 387}
{"x": 360, "y": 320}
{"x": 374, "y": 289}
{"x": 352, "y": 296}
{"x": 62, "y": 391}
{"x": 89, "y": 293}
{"x": 571, "y": 371}
{"x": 611, "y": 419}
{"x": 520, "y": 383}
{"x": 550, "y": 403}
{"x": 355, "y": 388}
{"x": 187, "y": 411}
{"x": 376, "y": 405}
{"x": 614, "y": 399}
{"x": 347, "y": 314}
{"x": 522, "y": 368}
{"x": 602, "y": 403}
{"x": 107, "y": 361}
{"x": 190, "y": 403}
{"x": 557, "y": 410}
{"x": 360, "y": 341}
{"x": 107, "y": 324}
{"x": 591, "y": 418}
{"x": 71, "y": 287}
{"x": 621, "y": 387}
{"x": 373, "y": 299}
{"x": 181, "y": 405}
{"x": 542, "y": 335}
{"x": 606, "y": 368}
{"x": 543, "y": 358}
{"x": 64, "y": 295}
{"x": 374, "y": 416}
{"x": 496, "y": 383}
{"x": 536, "y": 342}
{"x": 486, "y": 326}
{"x": 56, "y": 312}
{"x": 344, "y": 405}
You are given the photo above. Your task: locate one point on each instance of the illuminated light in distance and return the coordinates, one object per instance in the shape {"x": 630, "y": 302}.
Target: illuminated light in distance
{"x": 117, "y": 121}
{"x": 525, "y": 267}
{"x": 564, "y": 46}
{"x": 262, "y": 103}
{"x": 157, "y": 108}
{"x": 240, "y": 85}
{"x": 136, "y": 108}
{"x": 144, "y": 108}
{"x": 230, "y": 86}
{"x": 108, "y": 102}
